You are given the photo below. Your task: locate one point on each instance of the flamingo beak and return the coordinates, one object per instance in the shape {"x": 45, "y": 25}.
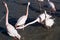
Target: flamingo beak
{"x": 19, "y": 26}
{"x": 16, "y": 26}
{"x": 53, "y": 10}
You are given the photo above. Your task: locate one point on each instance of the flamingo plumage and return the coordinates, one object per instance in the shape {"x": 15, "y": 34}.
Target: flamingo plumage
{"x": 39, "y": 19}
{"x": 21, "y": 21}
{"x": 10, "y": 29}
{"x": 49, "y": 23}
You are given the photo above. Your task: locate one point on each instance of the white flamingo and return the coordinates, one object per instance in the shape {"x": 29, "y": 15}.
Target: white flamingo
{"x": 10, "y": 29}
{"x": 40, "y": 19}
{"x": 49, "y": 23}
{"x": 51, "y": 5}
{"x": 21, "y": 21}
{"x": 42, "y": 16}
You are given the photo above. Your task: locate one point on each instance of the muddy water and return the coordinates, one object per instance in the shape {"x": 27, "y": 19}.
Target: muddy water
{"x": 17, "y": 8}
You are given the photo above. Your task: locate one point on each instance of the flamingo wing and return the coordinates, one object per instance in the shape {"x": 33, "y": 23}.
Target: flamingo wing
{"x": 21, "y": 20}
{"x": 49, "y": 22}
{"x": 11, "y": 30}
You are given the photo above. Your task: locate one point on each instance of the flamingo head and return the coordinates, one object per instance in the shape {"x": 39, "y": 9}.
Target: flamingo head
{"x": 28, "y": 3}
{"x": 5, "y": 3}
{"x": 19, "y": 26}
{"x": 53, "y": 10}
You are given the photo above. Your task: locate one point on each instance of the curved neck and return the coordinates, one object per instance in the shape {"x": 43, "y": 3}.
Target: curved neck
{"x": 7, "y": 14}
{"x": 31, "y": 22}
{"x": 27, "y": 10}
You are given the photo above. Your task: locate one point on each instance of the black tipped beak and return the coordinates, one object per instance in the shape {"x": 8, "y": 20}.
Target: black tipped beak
{"x": 53, "y": 10}
{"x": 16, "y": 26}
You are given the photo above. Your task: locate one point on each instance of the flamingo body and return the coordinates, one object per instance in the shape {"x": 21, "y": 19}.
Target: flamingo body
{"x": 12, "y": 31}
{"x": 21, "y": 20}
{"x": 49, "y": 23}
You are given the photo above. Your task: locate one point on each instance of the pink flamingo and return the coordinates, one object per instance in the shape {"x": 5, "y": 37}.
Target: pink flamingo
{"x": 10, "y": 29}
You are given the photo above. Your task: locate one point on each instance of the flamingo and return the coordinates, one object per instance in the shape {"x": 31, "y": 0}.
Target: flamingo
{"x": 42, "y": 16}
{"x": 21, "y": 21}
{"x": 51, "y": 5}
{"x": 39, "y": 19}
{"x": 48, "y": 22}
{"x": 10, "y": 29}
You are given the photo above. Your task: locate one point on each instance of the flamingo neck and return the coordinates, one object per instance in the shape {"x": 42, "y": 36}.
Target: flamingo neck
{"x": 7, "y": 14}
{"x": 27, "y": 10}
{"x": 31, "y": 22}
{"x": 45, "y": 17}
{"x": 45, "y": 12}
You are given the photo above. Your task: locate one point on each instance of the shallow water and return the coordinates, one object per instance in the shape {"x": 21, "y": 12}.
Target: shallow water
{"x": 17, "y": 8}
